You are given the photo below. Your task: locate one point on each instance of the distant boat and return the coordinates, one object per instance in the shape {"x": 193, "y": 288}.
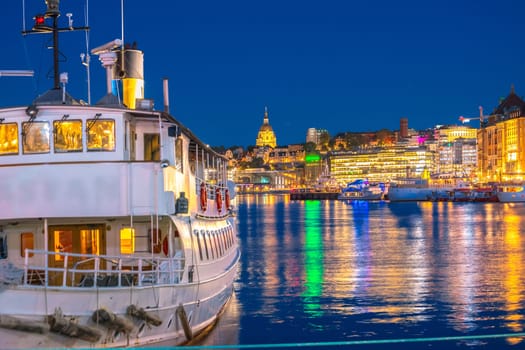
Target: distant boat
{"x": 485, "y": 194}
{"x": 115, "y": 223}
{"x": 510, "y": 193}
{"x": 362, "y": 190}
{"x": 409, "y": 189}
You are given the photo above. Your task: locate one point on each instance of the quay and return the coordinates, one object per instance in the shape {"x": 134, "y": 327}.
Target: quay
{"x": 303, "y": 194}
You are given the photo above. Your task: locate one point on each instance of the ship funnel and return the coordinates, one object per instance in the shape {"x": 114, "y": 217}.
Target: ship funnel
{"x": 130, "y": 70}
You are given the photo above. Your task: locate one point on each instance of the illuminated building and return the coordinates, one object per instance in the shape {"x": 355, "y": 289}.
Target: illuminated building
{"x": 266, "y": 136}
{"x": 382, "y": 164}
{"x": 312, "y": 168}
{"x": 501, "y": 141}
{"x": 314, "y": 135}
{"x": 286, "y": 156}
{"x": 456, "y": 151}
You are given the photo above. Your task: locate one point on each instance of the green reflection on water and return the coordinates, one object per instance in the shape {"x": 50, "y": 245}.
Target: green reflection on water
{"x": 313, "y": 258}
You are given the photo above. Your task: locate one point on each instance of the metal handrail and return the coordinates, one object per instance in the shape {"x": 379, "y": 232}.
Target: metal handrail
{"x": 132, "y": 270}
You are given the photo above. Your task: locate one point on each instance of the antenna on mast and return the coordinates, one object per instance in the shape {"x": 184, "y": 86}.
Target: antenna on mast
{"x": 40, "y": 26}
{"x": 85, "y": 58}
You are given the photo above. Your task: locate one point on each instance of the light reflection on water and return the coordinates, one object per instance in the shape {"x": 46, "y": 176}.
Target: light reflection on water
{"x": 324, "y": 271}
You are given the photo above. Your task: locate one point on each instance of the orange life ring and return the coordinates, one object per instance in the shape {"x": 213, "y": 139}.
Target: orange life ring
{"x": 218, "y": 199}
{"x": 203, "y": 196}
{"x": 227, "y": 199}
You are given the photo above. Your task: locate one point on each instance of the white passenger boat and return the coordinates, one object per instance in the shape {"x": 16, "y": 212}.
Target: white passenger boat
{"x": 115, "y": 225}
{"x": 510, "y": 193}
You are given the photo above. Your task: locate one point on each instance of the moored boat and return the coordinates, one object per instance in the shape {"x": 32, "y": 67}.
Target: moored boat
{"x": 362, "y": 190}
{"x": 115, "y": 225}
{"x": 510, "y": 193}
{"x": 409, "y": 189}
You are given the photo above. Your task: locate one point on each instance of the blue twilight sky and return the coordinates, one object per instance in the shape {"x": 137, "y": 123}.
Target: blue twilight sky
{"x": 341, "y": 65}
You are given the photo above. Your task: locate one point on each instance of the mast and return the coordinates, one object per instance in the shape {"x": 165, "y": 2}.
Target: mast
{"x": 40, "y": 26}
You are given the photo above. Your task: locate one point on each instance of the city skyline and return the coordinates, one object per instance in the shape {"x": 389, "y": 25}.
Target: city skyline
{"x": 340, "y": 67}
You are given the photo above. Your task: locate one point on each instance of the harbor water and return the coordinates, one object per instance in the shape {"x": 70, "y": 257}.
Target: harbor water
{"x": 377, "y": 275}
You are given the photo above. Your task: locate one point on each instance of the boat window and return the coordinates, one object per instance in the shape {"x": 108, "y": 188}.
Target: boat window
{"x": 220, "y": 237}
{"x": 89, "y": 242}
{"x": 212, "y": 246}
{"x": 205, "y": 244}
{"x": 100, "y": 134}
{"x": 154, "y": 239}
{"x": 3, "y": 245}
{"x": 8, "y": 138}
{"x": 26, "y": 242}
{"x": 127, "y": 240}
{"x": 35, "y": 137}
{"x": 178, "y": 154}
{"x": 63, "y": 243}
{"x": 196, "y": 233}
{"x": 226, "y": 238}
{"x": 217, "y": 245}
{"x": 67, "y": 135}
{"x": 151, "y": 147}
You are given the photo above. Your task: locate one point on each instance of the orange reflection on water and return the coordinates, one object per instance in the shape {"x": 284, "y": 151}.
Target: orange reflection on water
{"x": 513, "y": 270}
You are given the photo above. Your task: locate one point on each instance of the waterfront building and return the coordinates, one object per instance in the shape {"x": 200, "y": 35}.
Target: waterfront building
{"x": 320, "y": 137}
{"x": 381, "y": 164}
{"x": 266, "y": 136}
{"x": 256, "y": 180}
{"x": 501, "y": 141}
{"x": 456, "y": 148}
{"x": 286, "y": 157}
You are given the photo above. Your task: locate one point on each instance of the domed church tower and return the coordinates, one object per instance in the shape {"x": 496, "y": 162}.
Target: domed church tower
{"x": 266, "y": 136}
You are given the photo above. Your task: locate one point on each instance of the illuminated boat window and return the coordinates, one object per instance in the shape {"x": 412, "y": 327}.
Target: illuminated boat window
{"x": 127, "y": 240}
{"x": 100, "y": 135}
{"x": 152, "y": 147}
{"x": 67, "y": 135}
{"x": 63, "y": 243}
{"x": 26, "y": 242}
{"x": 35, "y": 137}
{"x": 8, "y": 138}
{"x": 89, "y": 241}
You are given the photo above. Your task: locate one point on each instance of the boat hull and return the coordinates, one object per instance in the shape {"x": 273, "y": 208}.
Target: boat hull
{"x": 56, "y": 311}
{"x": 404, "y": 194}
{"x": 511, "y": 197}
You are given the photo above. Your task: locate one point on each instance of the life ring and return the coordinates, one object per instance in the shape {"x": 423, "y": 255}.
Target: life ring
{"x": 227, "y": 199}
{"x": 165, "y": 248}
{"x": 203, "y": 196}
{"x": 218, "y": 199}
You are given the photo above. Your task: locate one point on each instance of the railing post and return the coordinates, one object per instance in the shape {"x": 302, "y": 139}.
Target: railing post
{"x": 26, "y": 264}
{"x": 64, "y": 272}
{"x": 140, "y": 272}
{"x": 95, "y": 275}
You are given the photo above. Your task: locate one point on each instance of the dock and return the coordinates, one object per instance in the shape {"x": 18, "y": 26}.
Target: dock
{"x": 303, "y": 195}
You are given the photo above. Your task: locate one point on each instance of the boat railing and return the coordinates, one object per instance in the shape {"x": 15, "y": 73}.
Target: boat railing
{"x": 89, "y": 270}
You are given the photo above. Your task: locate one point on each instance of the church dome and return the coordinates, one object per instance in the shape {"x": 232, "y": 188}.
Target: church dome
{"x": 266, "y": 136}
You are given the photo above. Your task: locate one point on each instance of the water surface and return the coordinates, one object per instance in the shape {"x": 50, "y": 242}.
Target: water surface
{"x": 328, "y": 271}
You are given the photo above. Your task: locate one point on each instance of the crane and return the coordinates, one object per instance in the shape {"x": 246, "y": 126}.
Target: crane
{"x": 481, "y": 117}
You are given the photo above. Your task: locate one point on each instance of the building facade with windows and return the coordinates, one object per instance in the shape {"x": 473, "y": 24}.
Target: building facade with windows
{"x": 501, "y": 142}
{"x": 382, "y": 164}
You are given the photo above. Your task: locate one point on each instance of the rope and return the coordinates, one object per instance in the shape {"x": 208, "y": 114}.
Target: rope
{"x": 357, "y": 342}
